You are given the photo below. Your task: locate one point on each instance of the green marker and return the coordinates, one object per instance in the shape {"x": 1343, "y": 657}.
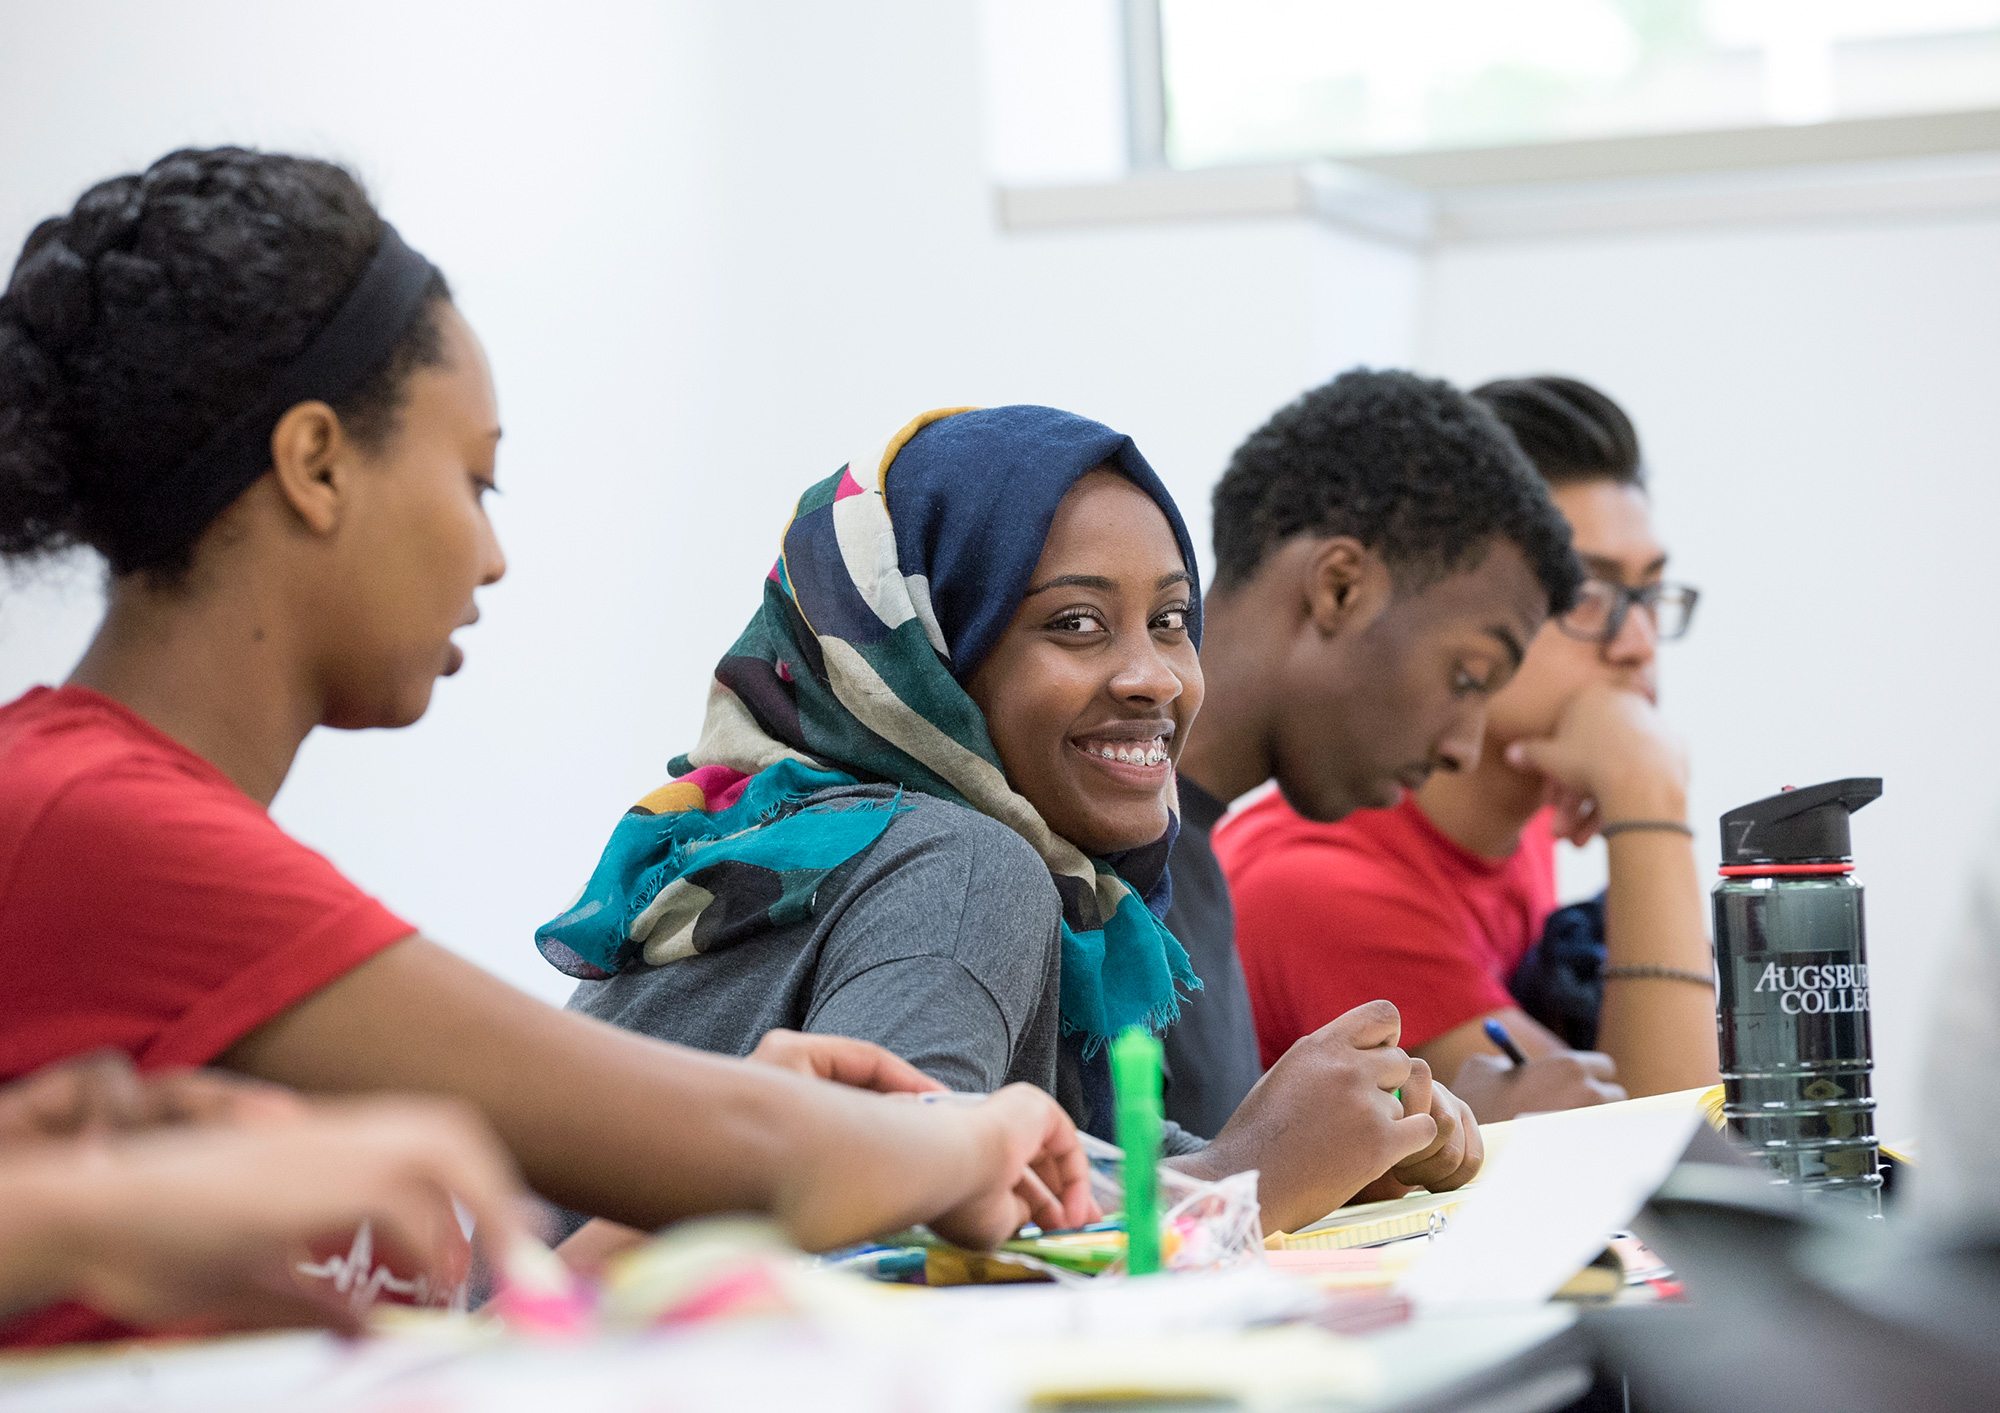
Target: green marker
{"x": 1135, "y": 1085}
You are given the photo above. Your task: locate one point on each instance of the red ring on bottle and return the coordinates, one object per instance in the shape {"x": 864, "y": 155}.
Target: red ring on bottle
{"x": 1754, "y": 870}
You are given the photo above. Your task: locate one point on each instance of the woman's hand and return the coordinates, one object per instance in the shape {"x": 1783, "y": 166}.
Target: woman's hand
{"x": 1453, "y": 1158}
{"x": 1324, "y": 1122}
{"x": 201, "y": 1227}
{"x": 1053, "y": 1186}
{"x": 842, "y": 1059}
{"x": 1031, "y": 1168}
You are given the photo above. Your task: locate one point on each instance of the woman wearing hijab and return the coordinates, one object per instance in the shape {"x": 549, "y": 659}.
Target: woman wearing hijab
{"x": 932, "y": 802}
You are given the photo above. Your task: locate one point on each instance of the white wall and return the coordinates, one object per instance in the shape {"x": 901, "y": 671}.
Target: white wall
{"x": 1816, "y": 403}
{"x": 567, "y": 249}
{"x": 713, "y": 249}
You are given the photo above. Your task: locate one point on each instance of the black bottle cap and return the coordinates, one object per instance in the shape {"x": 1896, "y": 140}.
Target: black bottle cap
{"x": 1797, "y": 826}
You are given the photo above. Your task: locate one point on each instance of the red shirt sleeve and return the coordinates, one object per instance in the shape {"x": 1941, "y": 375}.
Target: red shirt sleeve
{"x": 167, "y": 915}
{"x": 1322, "y": 930}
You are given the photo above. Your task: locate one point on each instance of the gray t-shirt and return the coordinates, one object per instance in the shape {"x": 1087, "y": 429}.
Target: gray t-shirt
{"x": 940, "y": 942}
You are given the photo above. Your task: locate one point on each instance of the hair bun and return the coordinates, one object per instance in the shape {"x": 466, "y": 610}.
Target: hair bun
{"x": 37, "y": 502}
{"x": 106, "y": 217}
{"x": 126, "y": 281}
{"x": 51, "y": 295}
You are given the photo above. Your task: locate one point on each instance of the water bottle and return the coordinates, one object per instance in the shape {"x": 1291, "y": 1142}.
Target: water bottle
{"x": 1792, "y": 972}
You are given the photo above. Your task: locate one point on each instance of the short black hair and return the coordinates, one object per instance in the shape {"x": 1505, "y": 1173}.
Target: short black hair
{"x": 158, "y": 309}
{"x": 1410, "y": 466}
{"x": 1570, "y": 430}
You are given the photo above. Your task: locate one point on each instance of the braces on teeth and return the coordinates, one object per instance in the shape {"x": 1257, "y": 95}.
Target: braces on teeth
{"x": 1154, "y": 752}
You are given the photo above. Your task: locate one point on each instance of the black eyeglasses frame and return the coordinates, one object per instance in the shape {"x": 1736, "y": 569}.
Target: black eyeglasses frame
{"x": 1646, "y": 596}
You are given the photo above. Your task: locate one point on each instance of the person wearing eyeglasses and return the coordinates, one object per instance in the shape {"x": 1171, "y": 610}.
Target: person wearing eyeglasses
{"x": 1446, "y": 902}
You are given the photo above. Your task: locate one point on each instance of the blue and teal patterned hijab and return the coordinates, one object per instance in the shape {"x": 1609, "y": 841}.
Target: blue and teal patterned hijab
{"x": 899, "y": 574}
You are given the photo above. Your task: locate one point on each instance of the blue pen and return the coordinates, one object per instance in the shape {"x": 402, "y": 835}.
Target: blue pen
{"x": 1497, "y": 1033}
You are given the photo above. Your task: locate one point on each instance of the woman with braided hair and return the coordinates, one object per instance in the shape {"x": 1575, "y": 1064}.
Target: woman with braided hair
{"x": 230, "y": 378}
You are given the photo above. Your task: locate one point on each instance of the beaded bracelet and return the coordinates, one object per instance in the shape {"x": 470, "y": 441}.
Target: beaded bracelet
{"x": 1647, "y": 971}
{"x": 1665, "y": 826}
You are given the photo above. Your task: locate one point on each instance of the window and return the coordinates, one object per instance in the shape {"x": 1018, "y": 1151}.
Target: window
{"x": 1272, "y": 80}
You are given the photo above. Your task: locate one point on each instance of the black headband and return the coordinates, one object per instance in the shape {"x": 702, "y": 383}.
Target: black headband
{"x": 353, "y": 346}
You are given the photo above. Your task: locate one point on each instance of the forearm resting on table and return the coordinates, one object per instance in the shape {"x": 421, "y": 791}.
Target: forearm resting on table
{"x": 1661, "y": 1032}
{"x": 611, "y": 1123}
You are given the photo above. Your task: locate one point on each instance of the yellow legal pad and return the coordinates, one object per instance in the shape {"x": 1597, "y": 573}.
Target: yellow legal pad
{"x": 1372, "y": 1223}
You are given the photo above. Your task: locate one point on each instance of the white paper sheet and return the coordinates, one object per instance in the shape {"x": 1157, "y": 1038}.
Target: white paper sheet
{"x": 1563, "y": 1184}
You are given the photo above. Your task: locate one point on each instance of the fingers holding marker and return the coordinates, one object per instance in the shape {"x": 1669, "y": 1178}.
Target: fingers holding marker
{"x": 1416, "y": 1087}
{"x": 1454, "y": 1157}
{"x": 1416, "y": 1133}
{"x": 1394, "y": 1069}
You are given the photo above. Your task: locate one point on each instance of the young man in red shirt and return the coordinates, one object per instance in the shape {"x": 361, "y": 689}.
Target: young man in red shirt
{"x": 1437, "y": 902}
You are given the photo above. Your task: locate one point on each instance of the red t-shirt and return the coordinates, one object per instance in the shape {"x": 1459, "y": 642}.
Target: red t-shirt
{"x": 147, "y": 904}
{"x": 1381, "y": 904}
